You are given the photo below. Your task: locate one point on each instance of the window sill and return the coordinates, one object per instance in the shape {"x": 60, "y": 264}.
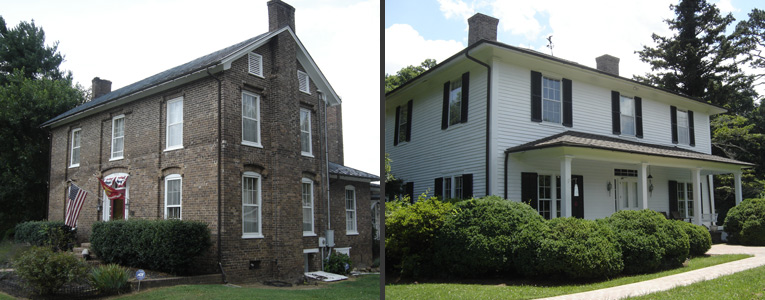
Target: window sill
{"x": 306, "y": 92}
{"x": 173, "y": 148}
{"x": 551, "y": 124}
{"x": 252, "y": 236}
{"x": 116, "y": 158}
{"x": 306, "y": 154}
{"x": 74, "y": 166}
{"x": 308, "y": 234}
{"x": 251, "y": 144}
{"x": 352, "y": 233}
{"x": 256, "y": 75}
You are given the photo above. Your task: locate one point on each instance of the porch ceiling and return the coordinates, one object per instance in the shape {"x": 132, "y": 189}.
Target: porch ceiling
{"x": 603, "y": 148}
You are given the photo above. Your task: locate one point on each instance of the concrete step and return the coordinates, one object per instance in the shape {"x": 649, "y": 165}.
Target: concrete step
{"x": 85, "y": 245}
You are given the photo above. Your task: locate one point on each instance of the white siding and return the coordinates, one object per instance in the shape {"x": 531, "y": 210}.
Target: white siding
{"x": 433, "y": 152}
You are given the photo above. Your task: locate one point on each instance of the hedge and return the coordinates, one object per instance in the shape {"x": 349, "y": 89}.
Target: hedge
{"x": 745, "y": 223}
{"x": 699, "y": 239}
{"x": 649, "y": 241}
{"x": 486, "y": 237}
{"x": 46, "y": 233}
{"x": 161, "y": 245}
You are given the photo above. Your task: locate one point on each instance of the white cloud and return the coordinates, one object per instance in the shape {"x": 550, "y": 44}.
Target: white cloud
{"x": 456, "y": 9}
{"x": 518, "y": 17}
{"x": 725, "y": 6}
{"x": 405, "y": 46}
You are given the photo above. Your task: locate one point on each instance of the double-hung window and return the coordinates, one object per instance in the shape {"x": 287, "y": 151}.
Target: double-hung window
{"x": 251, "y": 119}
{"x": 685, "y": 199}
{"x": 627, "y": 112}
{"x": 350, "y": 210}
{"x": 455, "y": 102}
{"x": 682, "y": 127}
{"x": 74, "y": 159}
{"x": 173, "y": 196}
{"x": 453, "y": 187}
{"x": 307, "y": 195}
{"x": 551, "y": 100}
{"x": 174, "y": 130}
{"x": 118, "y": 137}
{"x": 304, "y": 82}
{"x": 402, "y": 125}
{"x": 251, "y": 206}
{"x": 305, "y": 132}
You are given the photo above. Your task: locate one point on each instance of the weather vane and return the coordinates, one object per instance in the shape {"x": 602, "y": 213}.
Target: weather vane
{"x": 550, "y": 45}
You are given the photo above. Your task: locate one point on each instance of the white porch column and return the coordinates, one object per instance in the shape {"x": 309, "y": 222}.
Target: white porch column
{"x": 643, "y": 185}
{"x": 739, "y": 195}
{"x": 553, "y": 205}
{"x": 696, "y": 176}
{"x": 711, "y": 182}
{"x": 565, "y": 186}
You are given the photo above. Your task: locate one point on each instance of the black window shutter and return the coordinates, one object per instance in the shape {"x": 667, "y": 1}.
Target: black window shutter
{"x": 467, "y": 186}
{"x": 673, "y": 118}
{"x": 568, "y": 114}
{"x": 529, "y": 189}
{"x": 410, "y": 191}
{"x": 616, "y": 125}
{"x": 409, "y": 120}
{"x": 395, "y": 130}
{"x": 536, "y": 96}
{"x": 639, "y": 117}
{"x": 465, "y": 93}
{"x": 445, "y": 110}
{"x": 672, "y": 196}
{"x": 439, "y": 187}
{"x": 691, "y": 132}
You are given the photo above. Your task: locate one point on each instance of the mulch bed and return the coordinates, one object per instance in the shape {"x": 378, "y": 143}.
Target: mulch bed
{"x": 13, "y": 285}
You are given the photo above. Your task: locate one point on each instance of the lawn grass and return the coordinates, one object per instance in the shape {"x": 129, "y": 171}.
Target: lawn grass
{"x": 364, "y": 287}
{"x": 749, "y": 284}
{"x": 4, "y": 296}
{"x": 531, "y": 289}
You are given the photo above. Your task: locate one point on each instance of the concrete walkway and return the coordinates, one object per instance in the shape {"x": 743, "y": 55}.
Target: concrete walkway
{"x": 668, "y": 282}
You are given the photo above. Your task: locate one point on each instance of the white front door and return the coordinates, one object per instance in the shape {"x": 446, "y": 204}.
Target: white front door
{"x": 626, "y": 193}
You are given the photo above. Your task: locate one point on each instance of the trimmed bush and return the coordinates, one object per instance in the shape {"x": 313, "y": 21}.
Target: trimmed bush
{"x": 649, "y": 241}
{"x": 338, "y": 263}
{"x": 46, "y": 271}
{"x": 486, "y": 237}
{"x": 744, "y": 223}
{"x": 162, "y": 245}
{"x": 699, "y": 239}
{"x": 46, "y": 233}
{"x": 580, "y": 248}
{"x": 109, "y": 279}
{"x": 410, "y": 232}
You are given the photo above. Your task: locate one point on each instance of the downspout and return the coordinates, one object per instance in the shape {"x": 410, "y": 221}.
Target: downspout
{"x": 507, "y": 156}
{"x": 326, "y": 163}
{"x": 220, "y": 166}
{"x": 50, "y": 159}
{"x": 325, "y": 167}
{"x": 488, "y": 111}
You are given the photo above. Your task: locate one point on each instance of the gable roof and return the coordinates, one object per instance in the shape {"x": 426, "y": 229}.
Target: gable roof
{"x": 339, "y": 169}
{"x": 195, "y": 69}
{"x": 594, "y": 141}
{"x": 530, "y": 52}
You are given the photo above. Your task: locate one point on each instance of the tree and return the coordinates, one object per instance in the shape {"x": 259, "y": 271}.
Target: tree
{"x": 752, "y": 34}
{"x": 407, "y": 73}
{"x": 33, "y": 91}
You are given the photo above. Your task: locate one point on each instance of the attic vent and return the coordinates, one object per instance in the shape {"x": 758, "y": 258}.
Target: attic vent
{"x": 303, "y": 82}
{"x": 625, "y": 172}
{"x": 255, "y": 62}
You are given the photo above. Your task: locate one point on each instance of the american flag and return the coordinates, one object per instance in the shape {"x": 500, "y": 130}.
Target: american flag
{"x": 76, "y": 199}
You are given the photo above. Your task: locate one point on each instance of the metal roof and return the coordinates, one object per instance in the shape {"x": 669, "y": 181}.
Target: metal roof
{"x": 339, "y": 169}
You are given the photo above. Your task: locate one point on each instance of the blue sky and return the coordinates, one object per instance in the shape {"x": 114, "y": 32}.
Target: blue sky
{"x": 581, "y": 30}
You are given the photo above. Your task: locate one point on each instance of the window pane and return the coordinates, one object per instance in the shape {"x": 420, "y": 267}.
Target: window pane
{"x": 628, "y": 125}
{"x": 173, "y": 212}
{"x": 307, "y": 219}
{"x": 76, "y": 139}
{"x": 76, "y": 156}
{"x": 173, "y": 192}
{"x": 626, "y": 106}
{"x": 350, "y": 221}
{"x": 175, "y": 112}
{"x": 175, "y": 135}
{"x": 250, "y": 128}
{"x": 248, "y": 106}
{"x": 250, "y": 218}
{"x": 455, "y": 102}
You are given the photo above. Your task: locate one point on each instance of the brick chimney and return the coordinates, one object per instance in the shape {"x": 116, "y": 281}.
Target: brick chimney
{"x": 608, "y": 64}
{"x": 280, "y": 14}
{"x": 482, "y": 27}
{"x": 101, "y": 87}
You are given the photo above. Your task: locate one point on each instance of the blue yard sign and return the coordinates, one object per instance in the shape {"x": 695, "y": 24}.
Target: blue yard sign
{"x": 140, "y": 275}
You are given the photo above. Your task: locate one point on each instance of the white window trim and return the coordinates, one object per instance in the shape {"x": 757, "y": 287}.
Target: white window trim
{"x": 257, "y": 120}
{"x": 106, "y": 203}
{"x": 451, "y": 89}
{"x": 313, "y": 220}
{"x": 452, "y": 192}
{"x": 403, "y": 120}
{"x": 307, "y": 82}
{"x": 312, "y": 250}
{"x": 310, "y": 136}
{"x": 167, "y": 125}
{"x": 685, "y": 127}
{"x": 79, "y": 147}
{"x": 355, "y": 211}
{"x": 114, "y": 120}
{"x": 560, "y": 101}
{"x": 259, "y": 57}
{"x": 633, "y": 116}
{"x": 169, "y": 178}
{"x": 344, "y": 250}
{"x": 259, "y": 233}
{"x": 687, "y": 202}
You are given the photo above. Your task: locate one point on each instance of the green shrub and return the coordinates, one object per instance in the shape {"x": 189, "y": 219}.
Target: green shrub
{"x": 410, "y": 232}
{"x": 486, "y": 236}
{"x": 649, "y": 241}
{"x": 162, "y": 245}
{"x": 46, "y": 271}
{"x": 699, "y": 239}
{"x": 580, "y": 248}
{"x": 338, "y": 263}
{"x": 109, "y": 279}
{"x": 744, "y": 223}
{"x": 46, "y": 233}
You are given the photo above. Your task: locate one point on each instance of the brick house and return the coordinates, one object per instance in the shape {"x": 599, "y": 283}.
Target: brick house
{"x": 247, "y": 139}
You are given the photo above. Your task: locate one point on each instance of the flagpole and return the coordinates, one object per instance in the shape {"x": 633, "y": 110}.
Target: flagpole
{"x": 89, "y": 192}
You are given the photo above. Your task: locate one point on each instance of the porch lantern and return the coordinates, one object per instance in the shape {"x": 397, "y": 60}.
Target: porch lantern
{"x": 650, "y": 184}
{"x": 608, "y": 187}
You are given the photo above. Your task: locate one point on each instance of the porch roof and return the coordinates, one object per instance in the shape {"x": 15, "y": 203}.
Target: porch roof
{"x": 594, "y": 141}
{"x": 338, "y": 169}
